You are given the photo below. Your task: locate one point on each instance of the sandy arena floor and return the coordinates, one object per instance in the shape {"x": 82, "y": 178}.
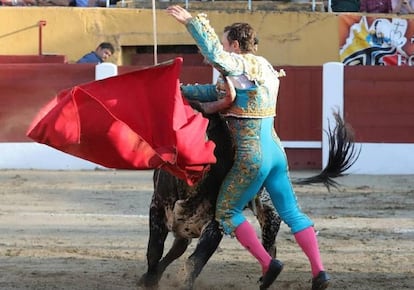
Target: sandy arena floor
{"x": 88, "y": 230}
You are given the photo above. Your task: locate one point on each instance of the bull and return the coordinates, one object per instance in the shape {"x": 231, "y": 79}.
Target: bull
{"x": 188, "y": 212}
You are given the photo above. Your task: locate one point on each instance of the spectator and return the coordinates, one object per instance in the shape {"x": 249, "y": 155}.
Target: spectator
{"x": 345, "y": 5}
{"x": 376, "y": 6}
{"x": 103, "y": 3}
{"x": 101, "y": 54}
{"x": 53, "y": 2}
{"x": 34, "y": 2}
{"x": 403, "y": 7}
{"x": 18, "y": 2}
{"x": 81, "y": 3}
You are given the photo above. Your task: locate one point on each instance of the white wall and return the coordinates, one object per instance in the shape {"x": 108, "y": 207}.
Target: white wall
{"x": 33, "y": 155}
{"x": 375, "y": 158}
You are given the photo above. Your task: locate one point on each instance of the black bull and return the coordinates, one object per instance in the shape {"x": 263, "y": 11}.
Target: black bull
{"x": 188, "y": 212}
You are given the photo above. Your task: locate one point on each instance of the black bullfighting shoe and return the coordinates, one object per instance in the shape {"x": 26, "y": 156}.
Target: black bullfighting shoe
{"x": 270, "y": 276}
{"x": 321, "y": 281}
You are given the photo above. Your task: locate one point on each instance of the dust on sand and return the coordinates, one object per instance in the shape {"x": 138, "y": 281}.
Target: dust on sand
{"x": 89, "y": 230}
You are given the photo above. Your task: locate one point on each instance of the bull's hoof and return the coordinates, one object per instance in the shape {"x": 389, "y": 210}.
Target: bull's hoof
{"x": 186, "y": 288}
{"x": 187, "y": 285}
{"x": 148, "y": 282}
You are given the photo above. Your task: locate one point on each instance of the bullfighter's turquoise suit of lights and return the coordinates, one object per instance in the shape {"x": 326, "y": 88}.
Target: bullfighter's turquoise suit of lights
{"x": 260, "y": 158}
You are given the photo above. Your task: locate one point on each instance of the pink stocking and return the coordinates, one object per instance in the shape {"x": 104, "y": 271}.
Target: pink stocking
{"x": 309, "y": 244}
{"x": 246, "y": 235}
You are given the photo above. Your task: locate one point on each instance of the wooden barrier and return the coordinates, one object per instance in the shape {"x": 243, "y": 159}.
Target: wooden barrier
{"x": 33, "y": 59}
{"x": 378, "y": 102}
{"x": 25, "y": 88}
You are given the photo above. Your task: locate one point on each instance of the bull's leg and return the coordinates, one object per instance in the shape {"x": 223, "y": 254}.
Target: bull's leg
{"x": 269, "y": 222}
{"x": 177, "y": 250}
{"x": 207, "y": 244}
{"x": 270, "y": 227}
{"x": 158, "y": 232}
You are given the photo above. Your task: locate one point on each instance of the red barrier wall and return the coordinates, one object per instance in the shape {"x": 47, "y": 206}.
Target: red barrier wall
{"x": 299, "y": 114}
{"x": 33, "y": 59}
{"x": 379, "y": 103}
{"x": 299, "y": 107}
{"x": 25, "y": 88}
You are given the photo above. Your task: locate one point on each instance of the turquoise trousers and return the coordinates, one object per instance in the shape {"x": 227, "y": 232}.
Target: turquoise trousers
{"x": 260, "y": 160}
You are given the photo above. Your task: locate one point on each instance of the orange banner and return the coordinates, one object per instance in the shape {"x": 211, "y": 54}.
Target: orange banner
{"x": 376, "y": 41}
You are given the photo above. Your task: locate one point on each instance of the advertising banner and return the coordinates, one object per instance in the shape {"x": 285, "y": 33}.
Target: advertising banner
{"x": 367, "y": 40}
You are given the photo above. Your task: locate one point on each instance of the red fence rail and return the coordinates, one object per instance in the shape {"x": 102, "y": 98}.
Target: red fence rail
{"x": 379, "y": 103}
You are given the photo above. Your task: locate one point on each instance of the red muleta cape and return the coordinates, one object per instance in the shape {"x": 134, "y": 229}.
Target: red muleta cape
{"x": 137, "y": 120}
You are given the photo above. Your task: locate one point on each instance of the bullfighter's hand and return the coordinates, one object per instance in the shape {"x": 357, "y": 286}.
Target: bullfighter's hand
{"x": 179, "y": 13}
{"x": 223, "y": 103}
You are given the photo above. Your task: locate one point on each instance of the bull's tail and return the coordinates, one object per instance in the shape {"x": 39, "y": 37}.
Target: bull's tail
{"x": 342, "y": 155}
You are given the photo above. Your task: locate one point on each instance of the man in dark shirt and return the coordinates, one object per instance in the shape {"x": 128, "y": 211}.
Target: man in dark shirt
{"x": 376, "y": 6}
{"x": 345, "y": 5}
{"x": 102, "y": 53}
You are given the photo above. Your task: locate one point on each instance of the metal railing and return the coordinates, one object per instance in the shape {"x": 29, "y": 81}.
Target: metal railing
{"x": 249, "y": 4}
{"x": 314, "y": 3}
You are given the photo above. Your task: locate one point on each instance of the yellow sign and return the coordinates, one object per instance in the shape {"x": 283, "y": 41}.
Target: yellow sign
{"x": 376, "y": 41}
